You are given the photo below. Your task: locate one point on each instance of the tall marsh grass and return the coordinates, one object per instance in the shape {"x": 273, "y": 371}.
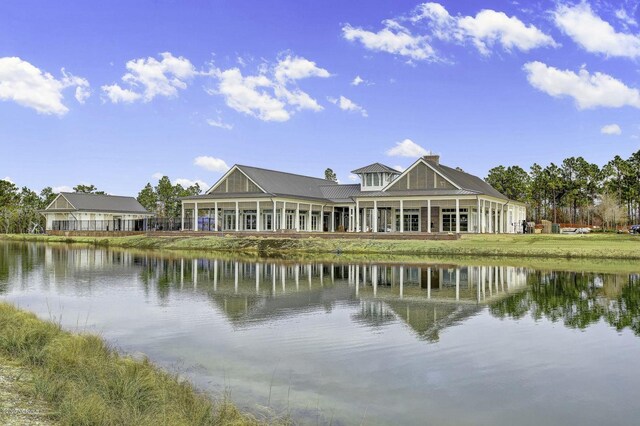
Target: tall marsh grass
{"x": 87, "y": 383}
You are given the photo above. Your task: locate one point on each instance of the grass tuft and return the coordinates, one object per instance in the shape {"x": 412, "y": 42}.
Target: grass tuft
{"x": 88, "y": 383}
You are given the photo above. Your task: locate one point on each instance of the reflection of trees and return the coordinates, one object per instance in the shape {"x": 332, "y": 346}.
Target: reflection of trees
{"x": 17, "y": 258}
{"x": 578, "y": 299}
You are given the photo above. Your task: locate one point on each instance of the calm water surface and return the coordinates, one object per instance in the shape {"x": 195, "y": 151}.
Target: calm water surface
{"x": 356, "y": 343}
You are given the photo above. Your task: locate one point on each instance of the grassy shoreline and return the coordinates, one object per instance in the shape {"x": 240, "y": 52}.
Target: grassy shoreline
{"x": 85, "y": 382}
{"x": 594, "y": 246}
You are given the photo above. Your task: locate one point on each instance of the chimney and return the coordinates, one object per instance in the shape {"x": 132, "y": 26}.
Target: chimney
{"x": 432, "y": 158}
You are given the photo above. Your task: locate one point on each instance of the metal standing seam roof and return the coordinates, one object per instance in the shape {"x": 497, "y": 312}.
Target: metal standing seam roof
{"x": 341, "y": 193}
{"x": 282, "y": 183}
{"x": 376, "y": 168}
{"x": 466, "y": 181}
{"x": 289, "y": 184}
{"x": 417, "y": 192}
{"x": 103, "y": 203}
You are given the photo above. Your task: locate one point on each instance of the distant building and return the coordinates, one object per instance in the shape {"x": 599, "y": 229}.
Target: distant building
{"x": 426, "y": 197}
{"x": 73, "y": 211}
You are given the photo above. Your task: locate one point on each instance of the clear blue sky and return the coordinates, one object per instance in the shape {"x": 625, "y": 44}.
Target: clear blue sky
{"x": 185, "y": 88}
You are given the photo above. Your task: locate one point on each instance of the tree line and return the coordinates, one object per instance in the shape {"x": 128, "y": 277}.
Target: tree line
{"x": 164, "y": 198}
{"x": 575, "y": 191}
{"x": 19, "y": 206}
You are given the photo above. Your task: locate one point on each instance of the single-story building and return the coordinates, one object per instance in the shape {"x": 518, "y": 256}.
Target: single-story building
{"x": 426, "y": 197}
{"x": 74, "y": 211}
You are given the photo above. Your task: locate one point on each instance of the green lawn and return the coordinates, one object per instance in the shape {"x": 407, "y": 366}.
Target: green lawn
{"x": 592, "y": 246}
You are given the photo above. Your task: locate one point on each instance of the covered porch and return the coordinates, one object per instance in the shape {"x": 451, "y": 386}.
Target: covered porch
{"x": 465, "y": 214}
{"x": 269, "y": 215}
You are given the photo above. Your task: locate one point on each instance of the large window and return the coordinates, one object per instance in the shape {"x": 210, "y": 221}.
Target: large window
{"x": 250, "y": 220}
{"x": 411, "y": 221}
{"x": 449, "y": 220}
{"x": 368, "y": 179}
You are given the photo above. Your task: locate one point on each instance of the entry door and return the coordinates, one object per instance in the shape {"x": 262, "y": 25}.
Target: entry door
{"x": 229, "y": 220}
{"x": 291, "y": 221}
{"x": 250, "y": 221}
{"x": 267, "y": 221}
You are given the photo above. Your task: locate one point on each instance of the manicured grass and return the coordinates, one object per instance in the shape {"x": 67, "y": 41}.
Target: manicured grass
{"x": 87, "y": 383}
{"x": 594, "y": 246}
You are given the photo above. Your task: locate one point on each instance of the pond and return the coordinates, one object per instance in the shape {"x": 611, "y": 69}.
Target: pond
{"x": 371, "y": 343}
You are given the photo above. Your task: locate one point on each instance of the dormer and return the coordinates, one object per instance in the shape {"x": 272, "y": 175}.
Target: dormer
{"x": 375, "y": 176}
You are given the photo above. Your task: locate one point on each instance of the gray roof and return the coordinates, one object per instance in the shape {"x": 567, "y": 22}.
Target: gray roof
{"x": 417, "y": 192}
{"x": 376, "y": 168}
{"x": 276, "y": 183}
{"x": 467, "y": 181}
{"x": 282, "y": 183}
{"x": 103, "y": 203}
{"x": 341, "y": 193}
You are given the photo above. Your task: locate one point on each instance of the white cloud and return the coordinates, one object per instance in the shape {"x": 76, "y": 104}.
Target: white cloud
{"x": 357, "y": 81}
{"x": 246, "y": 95}
{"x": 487, "y": 28}
{"x": 611, "y": 129}
{"x": 594, "y": 34}
{"x": 399, "y": 168}
{"x": 211, "y": 163}
{"x": 8, "y": 179}
{"x": 490, "y": 27}
{"x": 272, "y": 94}
{"x": 61, "y": 188}
{"x": 219, "y": 123}
{"x": 28, "y": 86}
{"x": 157, "y": 175}
{"x": 185, "y": 183}
{"x": 353, "y": 178}
{"x": 347, "y": 104}
{"x": 117, "y": 94}
{"x": 150, "y": 77}
{"x": 296, "y": 68}
{"x": 627, "y": 20}
{"x": 587, "y": 90}
{"x": 394, "y": 39}
{"x": 407, "y": 148}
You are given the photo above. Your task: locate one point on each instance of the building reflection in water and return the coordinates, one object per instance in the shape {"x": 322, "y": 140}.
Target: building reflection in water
{"x": 426, "y": 297}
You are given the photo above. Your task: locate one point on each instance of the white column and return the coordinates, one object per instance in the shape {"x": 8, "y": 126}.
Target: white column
{"x": 333, "y": 219}
{"x": 357, "y": 214}
{"x": 457, "y": 216}
{"x": 374, "y": 219}
{"x": 458, "y": 283}
{"x": 258, "y": 217}
{"x": 283, "y": 222}
{"x": 364, "y": 219}
{"x": 429, "y": 216}
{"x": 428, "y": 283}
{"x": 297, "y": 227}
{"x": 401, "y": 281}
{"x": 482, "y": 218}
{"x": 495, "y": 218}
{"x": 237, "y": 217}
{"x": 309, "y": 213}
{"x": 274, "y": 217}
{"x": 215, "y": 210}
{"x": 401, "y": 216}
{"x": 478, "y": 218}
{"x": 195, "y": 216}
{"x": 181, "y": 217}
